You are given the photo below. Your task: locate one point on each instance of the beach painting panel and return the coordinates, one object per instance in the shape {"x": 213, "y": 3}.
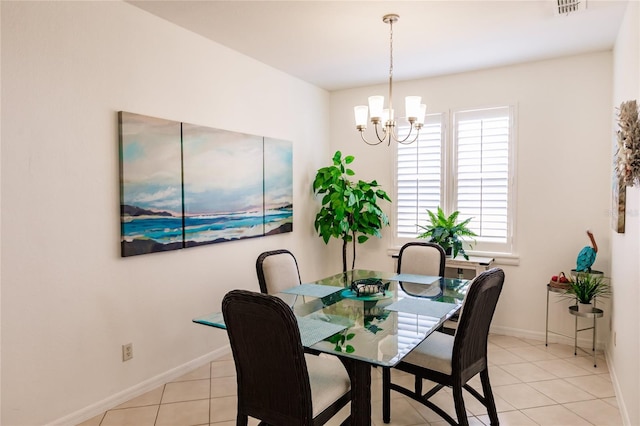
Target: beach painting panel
{"x": 223, "y": 185}
{"x": 150, "y": 184}
{"x": 278, "y": 186}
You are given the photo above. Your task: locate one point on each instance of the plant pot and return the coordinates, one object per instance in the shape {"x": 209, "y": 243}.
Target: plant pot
{"x": 585, "y": 307}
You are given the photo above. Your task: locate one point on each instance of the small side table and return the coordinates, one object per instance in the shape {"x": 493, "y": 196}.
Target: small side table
{"x": 477, "y": 264}
{"x": 547, "y": 331}
{"x": 594, "y": 313}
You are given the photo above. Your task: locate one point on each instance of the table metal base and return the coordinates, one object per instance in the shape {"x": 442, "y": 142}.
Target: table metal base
{"x": 593, "y": 313}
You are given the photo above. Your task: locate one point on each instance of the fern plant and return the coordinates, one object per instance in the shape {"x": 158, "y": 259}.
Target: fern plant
{"x": 447, "y": 232}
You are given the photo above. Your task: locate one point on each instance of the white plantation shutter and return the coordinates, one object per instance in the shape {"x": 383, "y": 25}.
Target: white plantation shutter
{"x": 482, "y": 139}
{"x": 419, "y": 176}
{"x": 474, "y": 177}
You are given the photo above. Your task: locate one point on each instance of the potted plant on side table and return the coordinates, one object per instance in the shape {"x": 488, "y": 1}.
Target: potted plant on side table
{"x": 584, "y": 287}
{"x": 446, "y": 231}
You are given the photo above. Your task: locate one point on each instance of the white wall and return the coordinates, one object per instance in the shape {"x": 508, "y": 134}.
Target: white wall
{"x": 68, "y": 300}
{"x": 623, "y": 352}
{"x": 563, "y": 170}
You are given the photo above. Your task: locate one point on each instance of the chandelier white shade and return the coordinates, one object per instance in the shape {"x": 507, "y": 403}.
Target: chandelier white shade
{"x": 384, "y": 119}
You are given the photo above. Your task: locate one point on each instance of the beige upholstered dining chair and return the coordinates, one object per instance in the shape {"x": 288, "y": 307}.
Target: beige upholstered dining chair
{"x": 277, "y": 270}
{"x": 277, "y": 383}
{"x": 453, "y": 360}
{"x": 421, "y": 259}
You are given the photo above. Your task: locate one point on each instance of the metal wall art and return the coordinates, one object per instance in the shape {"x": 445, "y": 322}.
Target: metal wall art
{"x": 183, "y": 185}
{"x": 627, "y": 160}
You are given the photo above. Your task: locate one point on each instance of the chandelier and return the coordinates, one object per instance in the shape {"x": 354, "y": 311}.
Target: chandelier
{"x": 384, "y": 118}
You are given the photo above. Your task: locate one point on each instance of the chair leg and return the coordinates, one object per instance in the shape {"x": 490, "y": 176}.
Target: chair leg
{"x": 488, "y": 397}
{"x": 242, "y": 420}
{"x": 386, "y": 394}
{"x": 461, "y": 413}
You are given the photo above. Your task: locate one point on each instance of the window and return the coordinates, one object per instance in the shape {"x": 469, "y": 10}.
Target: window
{"x": 468, "y": 168}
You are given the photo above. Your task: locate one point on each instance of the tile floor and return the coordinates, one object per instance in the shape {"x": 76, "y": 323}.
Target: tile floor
{"x": 532, "y": 385}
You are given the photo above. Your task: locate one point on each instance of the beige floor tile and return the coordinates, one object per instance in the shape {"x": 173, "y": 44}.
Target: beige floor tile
{"x": 502, "y": 357}
{"x": 476, "y": 408}
{"x": 510, "y": 418}
{"x": 442, "y": 399}
{"x": 94, "y": 421}
{"x": 186, "y": 413}
{"x": 596, "y": 412}
{"x": 223, "y": 386}
{"x": 522, "y": 396}
{"x": 138, "y": 416}
{"x": 586, "y": 362}
{"x": 186, "y": 391}
{"x": 223, "y": 409}
{"x": 562, "y": 368}
{"x": 606, "y": 377}
{"x": 252, "y": 422}
{"x": 532, "y": 353}
{"x": 497, "y": 376}
{"x": 376, "y": 389}
{"x": 506, "y": 342}
{"x": 149, "y": 398}
{"x": 561, "y": 391}
{"x": 402, "y": 413}
{"x": 203, "y": 372}
{"x": 559, "y": 350}
{"x": 595, "y": 385}
{"x": 612, "y": 402}
{"x": 528, "y": 372}
{"x": 555, "y": 415}
{"x": 223, "y": 369}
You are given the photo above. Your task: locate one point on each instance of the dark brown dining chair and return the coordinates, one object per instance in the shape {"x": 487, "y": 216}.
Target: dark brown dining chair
{"x": 277, "y": 383}
{"x": 453, "y": 360}
{"x": 277, "y": 270}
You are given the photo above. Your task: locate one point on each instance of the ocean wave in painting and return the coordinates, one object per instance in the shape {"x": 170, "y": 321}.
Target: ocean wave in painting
{"x": 202, "y": 229}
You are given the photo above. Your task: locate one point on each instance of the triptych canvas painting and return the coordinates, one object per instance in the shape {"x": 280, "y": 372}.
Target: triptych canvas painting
{"x": 183, "y": 185}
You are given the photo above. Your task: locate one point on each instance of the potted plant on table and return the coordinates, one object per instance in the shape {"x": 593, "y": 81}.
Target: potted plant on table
{"x": 446, "y": 231}
{"x": 350, "y": 210}
{"x": 584, "y": 287}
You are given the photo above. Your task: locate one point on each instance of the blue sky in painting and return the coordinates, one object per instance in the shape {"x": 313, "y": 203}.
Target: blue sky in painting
{"x": 222, "y": 171}
{"x": 279, "y": 173}
{"x": 151, "y": 163}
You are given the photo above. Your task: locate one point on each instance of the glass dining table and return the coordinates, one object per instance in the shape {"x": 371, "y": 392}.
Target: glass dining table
{"x": 341, "y": 315}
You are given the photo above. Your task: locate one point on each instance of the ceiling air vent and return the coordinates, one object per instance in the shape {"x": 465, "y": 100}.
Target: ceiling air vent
{"x": 565, "y": 7}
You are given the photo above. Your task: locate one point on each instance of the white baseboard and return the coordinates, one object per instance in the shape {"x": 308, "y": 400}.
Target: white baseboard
{"x": 583, "y": 341}
{"x": 137, "y": 390}
{"x": 624, "y": 413}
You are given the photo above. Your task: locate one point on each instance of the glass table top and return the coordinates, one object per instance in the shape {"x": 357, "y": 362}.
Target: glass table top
{"x": 378, "y": 328}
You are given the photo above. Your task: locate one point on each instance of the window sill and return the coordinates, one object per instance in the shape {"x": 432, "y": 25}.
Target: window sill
{"x": 510, "y": 259}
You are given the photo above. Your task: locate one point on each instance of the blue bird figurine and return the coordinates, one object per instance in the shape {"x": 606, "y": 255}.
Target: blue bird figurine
{"x": 587, "y": 255}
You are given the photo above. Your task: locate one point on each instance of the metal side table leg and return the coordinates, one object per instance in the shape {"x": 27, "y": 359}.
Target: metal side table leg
{"x": 546, "y": 327}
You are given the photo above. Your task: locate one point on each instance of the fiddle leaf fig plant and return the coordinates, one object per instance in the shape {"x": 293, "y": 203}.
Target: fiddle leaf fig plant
{"x": 350, "y": 210}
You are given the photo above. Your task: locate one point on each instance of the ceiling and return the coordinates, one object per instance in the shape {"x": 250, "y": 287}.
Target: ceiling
{"x": 344, "y": 44}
